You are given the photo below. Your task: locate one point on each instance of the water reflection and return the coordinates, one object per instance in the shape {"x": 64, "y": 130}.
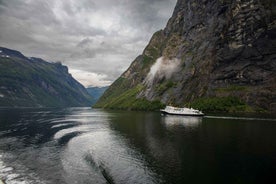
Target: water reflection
{"x": 168, "y": 153}
{"x": 185, "y": 121}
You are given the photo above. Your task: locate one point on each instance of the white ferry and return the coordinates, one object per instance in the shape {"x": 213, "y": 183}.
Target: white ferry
{"x": 181, "y": 111}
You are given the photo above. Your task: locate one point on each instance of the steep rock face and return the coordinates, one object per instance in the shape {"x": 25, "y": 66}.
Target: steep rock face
{"x": 33, "y": 82}
{"x": 209, "y": 49}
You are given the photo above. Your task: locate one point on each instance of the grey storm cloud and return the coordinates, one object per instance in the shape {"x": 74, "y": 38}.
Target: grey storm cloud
{"x": 97, "y": 40}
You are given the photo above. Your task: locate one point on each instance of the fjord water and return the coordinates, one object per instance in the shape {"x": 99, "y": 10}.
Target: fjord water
{"x": 84, "y": 145}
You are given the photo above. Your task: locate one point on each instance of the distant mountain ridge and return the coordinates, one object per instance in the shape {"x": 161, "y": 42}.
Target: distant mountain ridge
{"x": 96, "y": 92}
{"x": 212, "y": 55}
{"x": 34, "y": 82}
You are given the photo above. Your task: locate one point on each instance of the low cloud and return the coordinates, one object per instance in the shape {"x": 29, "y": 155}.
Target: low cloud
{"x": 162, "y": 68}
{"x": 90, "y": 79}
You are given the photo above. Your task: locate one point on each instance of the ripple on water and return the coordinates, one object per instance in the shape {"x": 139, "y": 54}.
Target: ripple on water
{"x": 11, "y": 176}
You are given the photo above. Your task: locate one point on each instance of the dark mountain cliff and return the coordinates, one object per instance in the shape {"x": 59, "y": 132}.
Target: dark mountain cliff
{"x": 212, "y": 55}
{"x": 33, "y": 82}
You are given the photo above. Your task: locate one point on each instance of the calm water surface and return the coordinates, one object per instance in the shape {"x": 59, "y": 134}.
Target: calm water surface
{"x": 83, "y": 145}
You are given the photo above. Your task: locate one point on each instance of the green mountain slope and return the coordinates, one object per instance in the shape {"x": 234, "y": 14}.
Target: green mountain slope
{"x": 33, "y": 82}
{"x": 212, "y": 55}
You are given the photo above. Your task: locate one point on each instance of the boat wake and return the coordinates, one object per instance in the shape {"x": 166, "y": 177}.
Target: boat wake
{"x": 240, "y": 118}
{"x": 10, "y": 175}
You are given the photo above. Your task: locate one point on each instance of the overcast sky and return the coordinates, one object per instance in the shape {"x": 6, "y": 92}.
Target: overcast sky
{"x": 96, "y": 39}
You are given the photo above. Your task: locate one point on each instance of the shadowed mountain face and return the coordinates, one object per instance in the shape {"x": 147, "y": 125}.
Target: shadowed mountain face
{"x": 33, "y": 82}
{"x": 213, "y": 55}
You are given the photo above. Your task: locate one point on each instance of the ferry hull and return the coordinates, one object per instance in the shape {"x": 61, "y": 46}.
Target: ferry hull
{"x": 179, "y": 114}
